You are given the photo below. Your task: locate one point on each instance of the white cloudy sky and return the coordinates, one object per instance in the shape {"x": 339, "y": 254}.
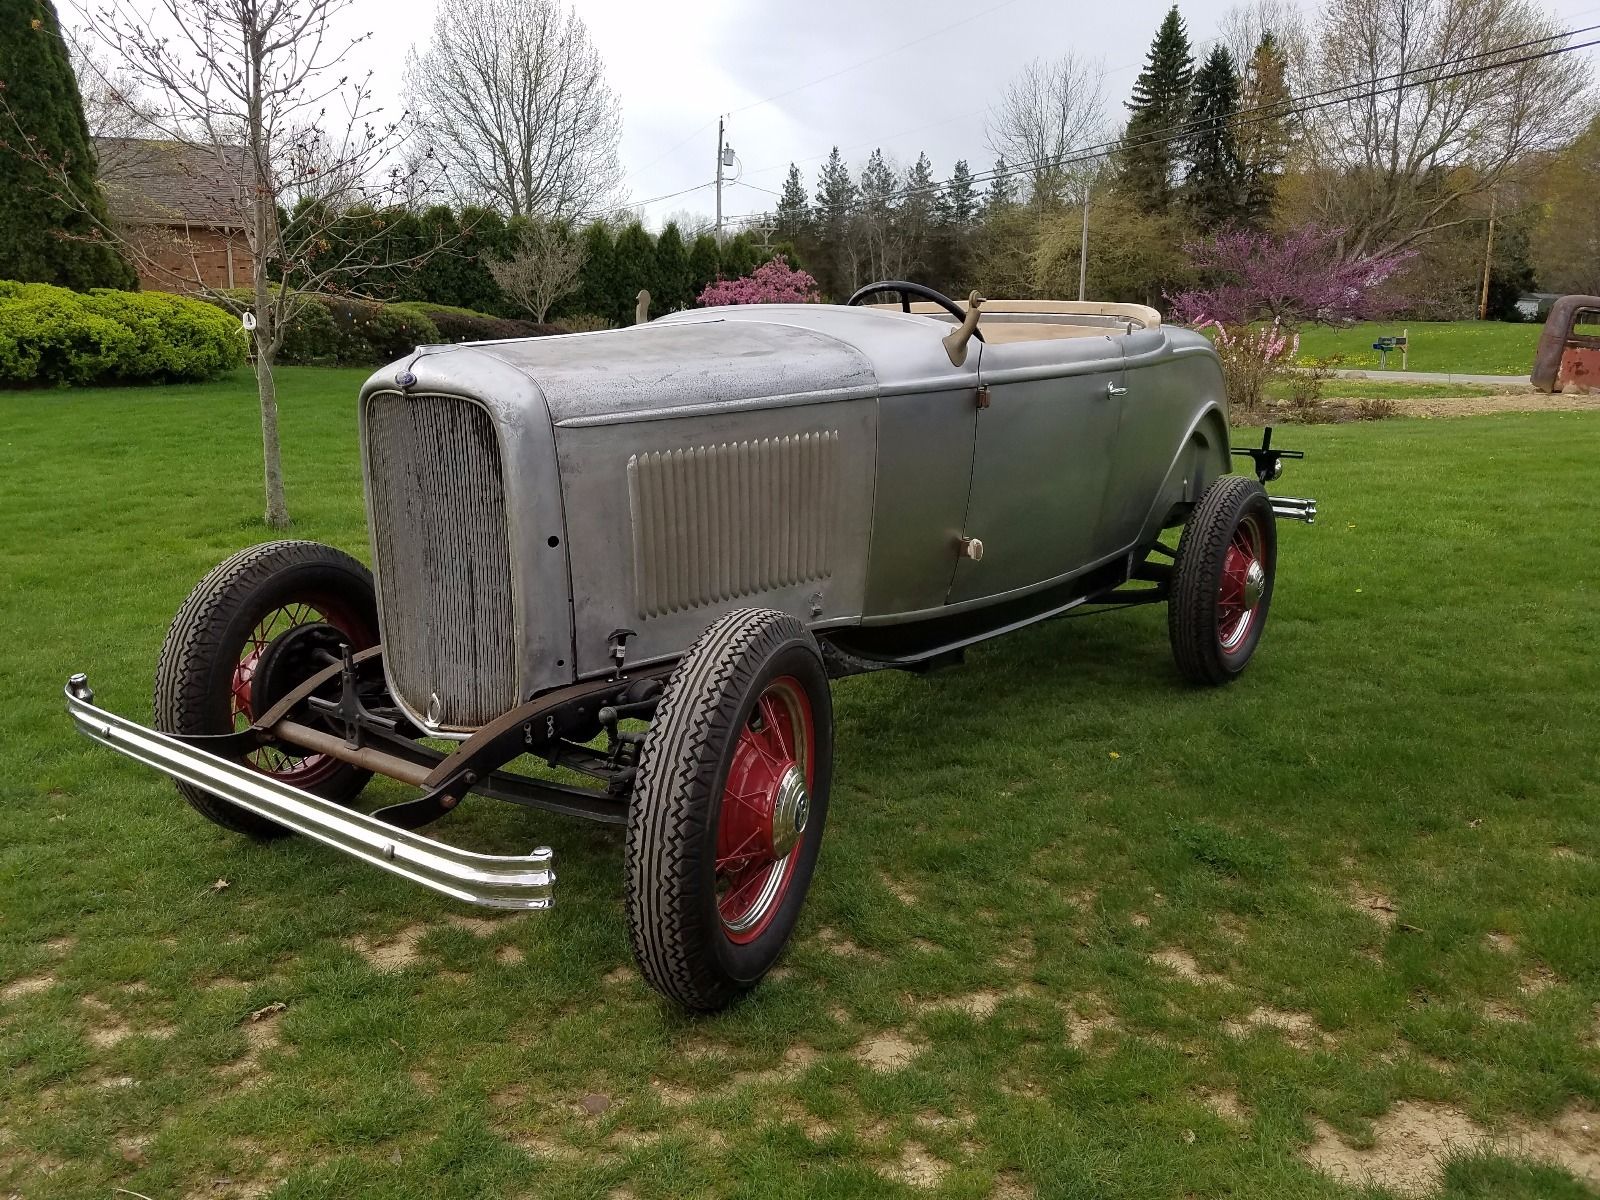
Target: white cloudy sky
{"x": 796, "y": 78}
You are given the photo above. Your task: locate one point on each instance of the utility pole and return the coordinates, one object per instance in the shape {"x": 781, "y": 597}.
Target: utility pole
{"x": 1488, "y": 257}
{"x": 1083, "y": 247}
{"x": 719, "y": 183}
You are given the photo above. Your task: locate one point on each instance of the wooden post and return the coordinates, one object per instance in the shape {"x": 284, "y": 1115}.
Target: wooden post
{"x": 1405, "y": 347}
{"x": 1488, "y": 255}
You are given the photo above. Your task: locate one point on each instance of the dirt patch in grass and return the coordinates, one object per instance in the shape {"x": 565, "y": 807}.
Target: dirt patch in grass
{"x": 1298, "y": 1028}
{"x": 28, "y": 985}
{"x": 899, "y": 890}
{"x": 1414, "y": 1138}
{"x": 105, "y": 1027}
{"x": 836, "y": 943}
{"x": 884, "y": 1052}
{"x": 1375, "y": 904}
{"x": 1504, "y": 402}
{"x": 1226, "y": 1104}
{"x": 509, "y": 956}
{"x": 1536, "y": 980}
{"x": 1506, "y": 1014}
{"x": 1182, "y": 964}
{"x": 393, "y": 953}
{"x": 1502, "y": 943}
{"x": 917, "y": 1168}
{"x": 477, "y": 926}
{"x": 980, "y": 1004}
{"x": 1010, "y": 1185}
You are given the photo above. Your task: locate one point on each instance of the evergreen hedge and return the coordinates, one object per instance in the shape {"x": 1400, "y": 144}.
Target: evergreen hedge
{"x": 43, "y": 237}
{"x": 51, "y": 336}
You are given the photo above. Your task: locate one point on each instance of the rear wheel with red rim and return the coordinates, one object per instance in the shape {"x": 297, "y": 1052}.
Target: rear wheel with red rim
{"x": 728, "y": 808}
{"x": 226, "y": 633}
{"x": 1222, "y": 580}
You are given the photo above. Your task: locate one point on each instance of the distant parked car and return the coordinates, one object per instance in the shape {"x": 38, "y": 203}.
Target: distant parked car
{"x": 641, "y": 554}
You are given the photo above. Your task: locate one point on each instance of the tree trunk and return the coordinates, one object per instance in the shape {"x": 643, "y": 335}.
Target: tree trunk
{"x": 271, "y": 452}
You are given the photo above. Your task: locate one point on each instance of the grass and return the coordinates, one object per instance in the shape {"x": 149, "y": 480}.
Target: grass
{"x": 1458, "y": 347}
{"x": 1079, "y": 931}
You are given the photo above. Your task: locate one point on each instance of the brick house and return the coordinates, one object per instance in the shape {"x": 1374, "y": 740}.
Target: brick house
{"x": 181, "y": 206}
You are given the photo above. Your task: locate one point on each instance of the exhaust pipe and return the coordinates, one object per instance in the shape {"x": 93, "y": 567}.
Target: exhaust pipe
{"x": 1295, "y": 508}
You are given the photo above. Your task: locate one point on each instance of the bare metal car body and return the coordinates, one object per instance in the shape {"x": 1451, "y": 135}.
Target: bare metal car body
{"x": 820, "y": 460}
{"x": 555, "y": 521}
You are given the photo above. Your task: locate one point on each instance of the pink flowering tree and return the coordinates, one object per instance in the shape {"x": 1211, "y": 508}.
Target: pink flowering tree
{"x": 774, "y": 282}
{"x": 1292, "y": 278}
{"x": 1263, "y": 286}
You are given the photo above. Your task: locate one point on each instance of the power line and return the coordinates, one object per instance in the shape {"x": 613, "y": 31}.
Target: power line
{"x": 1294, "y": 107}
{"x": 967, "y": 20}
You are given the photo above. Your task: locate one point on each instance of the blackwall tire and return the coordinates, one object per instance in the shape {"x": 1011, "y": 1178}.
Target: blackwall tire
{"x": 1222, "y": 581}
{"x": 721, "y": 846}
{"x": 220, "y": 631}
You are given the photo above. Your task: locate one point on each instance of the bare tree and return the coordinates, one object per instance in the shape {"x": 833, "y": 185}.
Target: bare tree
{"x": 1049, "y": 109}
{"x": 1392, "y": 168}
{"x": 543, "y": 266}
{"x": 1244, "y": 25}
{"x": 253, "y": 104}
{"x": 514, "y": 98}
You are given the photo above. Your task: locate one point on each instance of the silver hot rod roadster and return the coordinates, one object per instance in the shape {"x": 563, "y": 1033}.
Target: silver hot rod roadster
{"x": 641, "y": 554}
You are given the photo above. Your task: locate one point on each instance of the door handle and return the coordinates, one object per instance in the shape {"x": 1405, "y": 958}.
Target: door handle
{"x": 1113, "y": 390}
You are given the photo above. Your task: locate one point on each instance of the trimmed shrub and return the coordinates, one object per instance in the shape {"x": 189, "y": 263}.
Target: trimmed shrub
{"x": 55, "y": 337}
{"x": 349, "y": 331}
{"x": 464, "y": 325}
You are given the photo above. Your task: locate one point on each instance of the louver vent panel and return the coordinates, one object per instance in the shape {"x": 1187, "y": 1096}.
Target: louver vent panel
{"x": 715, "y": 523}
{"x": 444, "y": 565}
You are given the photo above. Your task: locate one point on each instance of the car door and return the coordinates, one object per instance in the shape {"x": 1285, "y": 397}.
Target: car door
{"x": 1042, "y": 456}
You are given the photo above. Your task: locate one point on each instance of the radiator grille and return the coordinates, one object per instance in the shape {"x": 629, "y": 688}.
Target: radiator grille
{"x": 440, "y": 540}
{"x": 714, "y": 523}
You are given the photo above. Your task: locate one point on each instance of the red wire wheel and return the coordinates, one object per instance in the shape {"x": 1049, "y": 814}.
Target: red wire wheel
{"x": 223, "y": 636}
{"x": 1244, "y": 581}
{"x": 726, "y": 819}
{"x": 765, "y": 807}
{"x": 1222, "y": 580}
{"x": 300, "y": 770}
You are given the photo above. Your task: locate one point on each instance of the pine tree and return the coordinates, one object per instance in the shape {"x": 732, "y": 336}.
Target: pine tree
{"x": 670, "y": 291}
{"x": 1001, "y": 192}
{"x": 1153, "y": 143}
{"x": 45, "y": 234}
{"x": 958, "y": 203}
{"x": 596, "y": 286}
{"x": 1213, "y": 185}
{"x": 877, "y": 185}
{"x": 1264, "y": 138}
{"x": 836, "y": 192}
{"x": 635, "y": 269}
{"x": 792, "y": 221}
{"x": 702, "y": 265}
{"x": 836, "y": 197}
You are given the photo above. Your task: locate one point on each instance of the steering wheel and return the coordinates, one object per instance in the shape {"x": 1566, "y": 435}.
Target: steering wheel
{"x": 906, "y": 289}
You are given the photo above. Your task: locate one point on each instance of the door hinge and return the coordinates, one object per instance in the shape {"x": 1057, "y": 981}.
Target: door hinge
{"x": 983, "y": 396}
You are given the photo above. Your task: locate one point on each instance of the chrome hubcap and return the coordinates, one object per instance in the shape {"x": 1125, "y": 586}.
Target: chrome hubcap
{"x": 1255, "y": 583}
{"x": 790, "y": 808}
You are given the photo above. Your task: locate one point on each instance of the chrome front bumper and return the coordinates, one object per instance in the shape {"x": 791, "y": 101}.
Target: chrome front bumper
{"x": 491, "y": 880}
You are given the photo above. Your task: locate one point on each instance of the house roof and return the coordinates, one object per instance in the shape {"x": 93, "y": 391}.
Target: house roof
{"x": 173, "y": 183}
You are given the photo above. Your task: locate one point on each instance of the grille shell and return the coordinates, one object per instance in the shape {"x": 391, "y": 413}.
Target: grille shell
{"x": 441, "y": 546}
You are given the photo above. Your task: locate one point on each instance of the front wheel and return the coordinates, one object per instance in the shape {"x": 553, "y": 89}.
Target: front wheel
{"x": 1222, "y": 581}
{"x": 262, "y": 622}
{"x": 728, "y": 808}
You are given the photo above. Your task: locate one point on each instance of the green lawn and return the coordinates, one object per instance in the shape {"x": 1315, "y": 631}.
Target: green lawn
{"x": 1079, "y": 931}
{"x": 1460, "y": 347}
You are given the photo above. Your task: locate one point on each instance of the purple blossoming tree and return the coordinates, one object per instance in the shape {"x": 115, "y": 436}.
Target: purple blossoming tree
{"x": 775, "y": 282}
{"x": 1291, "y": 279}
